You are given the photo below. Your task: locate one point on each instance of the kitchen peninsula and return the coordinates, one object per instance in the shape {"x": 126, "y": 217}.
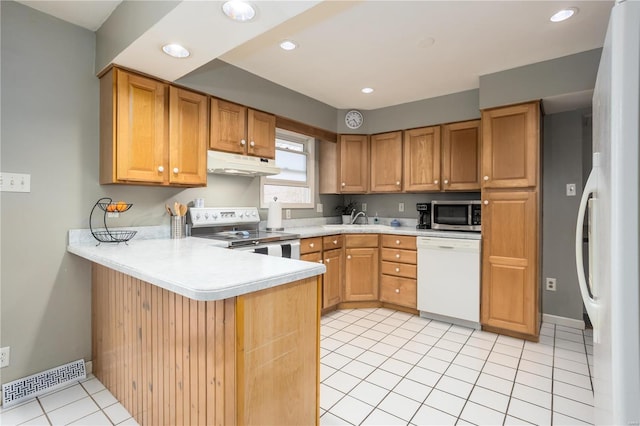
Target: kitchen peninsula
{"x": 185, "y": 332}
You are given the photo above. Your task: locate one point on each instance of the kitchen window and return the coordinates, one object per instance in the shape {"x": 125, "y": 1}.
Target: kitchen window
{"x": 295, "y": 184}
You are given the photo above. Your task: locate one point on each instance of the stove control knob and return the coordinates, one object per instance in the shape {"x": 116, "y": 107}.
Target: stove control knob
{"x": 214, "y": 215}
{"x": 247, "y": 213}
{"x": 206, "y": 216}
{"x": 198, "y": 216}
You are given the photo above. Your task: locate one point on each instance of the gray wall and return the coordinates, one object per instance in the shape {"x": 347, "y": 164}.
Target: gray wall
{"x": 568, "y": 74}
{"x": 566, "y": 138}
{"x": 459, "y": 106}
{"x": 128, "y": 21}
{"x": 220, "y": 79}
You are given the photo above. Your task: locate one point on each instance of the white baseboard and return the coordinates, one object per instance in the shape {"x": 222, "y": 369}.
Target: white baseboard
{"x": 567, "y": 322}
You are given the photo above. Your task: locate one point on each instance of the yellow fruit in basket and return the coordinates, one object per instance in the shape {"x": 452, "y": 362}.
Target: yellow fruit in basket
{"x": 111, "y": 207}
{"x": 121, "y": 206}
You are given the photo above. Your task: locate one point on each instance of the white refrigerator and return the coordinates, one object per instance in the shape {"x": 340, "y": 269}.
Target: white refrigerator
{"x": 611, "y": 291}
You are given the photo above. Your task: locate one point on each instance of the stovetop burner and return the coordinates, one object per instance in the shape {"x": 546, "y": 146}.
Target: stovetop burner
{"x": 237, "y": 226}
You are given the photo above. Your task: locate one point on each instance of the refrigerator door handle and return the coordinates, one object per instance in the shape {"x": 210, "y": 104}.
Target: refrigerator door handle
{"x": 589, "y": 302}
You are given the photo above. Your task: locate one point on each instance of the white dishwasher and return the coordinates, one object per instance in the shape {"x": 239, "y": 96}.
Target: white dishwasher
{"x": 449, "y": 279}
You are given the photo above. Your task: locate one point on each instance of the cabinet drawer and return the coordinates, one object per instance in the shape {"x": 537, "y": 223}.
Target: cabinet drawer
{"x": 331, "y": 242}
{"x": 399, "y": 291}
{"x": 399, "y": 241}
{"x": 399, "y": 269}
{"x": 310, "y": 245}
{"x": 361, "y": 240}
{"x": 400, "y": 256}
{"x": 312, "y": 257}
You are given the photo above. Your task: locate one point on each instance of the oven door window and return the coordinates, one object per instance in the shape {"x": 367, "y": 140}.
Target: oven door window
{"x": 451, "y": 214}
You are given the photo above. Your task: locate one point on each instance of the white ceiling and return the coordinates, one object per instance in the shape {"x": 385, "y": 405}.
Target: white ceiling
{"x": 405, "y": 50}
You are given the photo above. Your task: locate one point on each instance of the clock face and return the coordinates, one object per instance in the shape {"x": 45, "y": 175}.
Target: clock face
{"x": 353, "y": 119}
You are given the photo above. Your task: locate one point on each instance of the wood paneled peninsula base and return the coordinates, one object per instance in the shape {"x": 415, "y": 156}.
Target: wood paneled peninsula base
{"x": 172, "y": 360}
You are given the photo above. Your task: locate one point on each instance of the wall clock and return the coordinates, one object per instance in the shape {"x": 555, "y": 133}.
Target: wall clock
{"x": 353, "y": 119}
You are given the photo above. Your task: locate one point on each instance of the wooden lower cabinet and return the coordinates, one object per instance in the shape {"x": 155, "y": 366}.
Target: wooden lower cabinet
{"x": 251, "y": 359}
{"x": 333, "y": 278}
{"x": 398, "y": 290}
{"x": 361, "y": 268}
{"x": 510, "y": 294}
{"x": 398, "y": 271}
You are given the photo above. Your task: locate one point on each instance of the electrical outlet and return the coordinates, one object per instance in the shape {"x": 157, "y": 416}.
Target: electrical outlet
{"x": 550, "y": 284}
{"x": 319, "y": 208}
{"x": 287, "y": 214}
{"x": 4, "y": 356}
{"x": 400, "y": 207}
{"x": 571, "y": 190}
{"x": 364, "y": 207}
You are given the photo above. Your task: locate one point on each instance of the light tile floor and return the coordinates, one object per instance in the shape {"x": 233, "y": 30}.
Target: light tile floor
{"x": 384, "y": 367}
{"x": 84, "y": 402}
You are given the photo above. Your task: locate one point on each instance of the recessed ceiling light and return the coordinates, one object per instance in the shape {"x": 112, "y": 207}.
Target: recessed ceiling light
{"x": 426, "y": 42}
{"x": 175, "y": 50}
{"x": 367, "y": 90}
{"x": 563, "y": 14}
{"x": 288, "y": 45}
{"x": 239, "y": 10}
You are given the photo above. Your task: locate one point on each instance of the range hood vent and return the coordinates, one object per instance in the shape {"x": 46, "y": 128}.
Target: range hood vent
{"x": 240, "y": 165}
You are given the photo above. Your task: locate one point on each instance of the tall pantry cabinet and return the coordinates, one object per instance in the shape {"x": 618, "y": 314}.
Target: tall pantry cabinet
{"x": 511, "y": 220}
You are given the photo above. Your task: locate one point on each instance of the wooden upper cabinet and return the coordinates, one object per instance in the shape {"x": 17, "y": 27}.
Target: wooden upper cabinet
{"x": 328, "y": 173}
{"x": 510, "y": 152}
{"x": 188, "y": 137}
{"x": 461, "y": 156}
{"x": 386, "y": 162}
{"x": 510, "y": 261}
{"x": 228, "y": 127}
{"x": 422, "y": 159}
{"x": 150, "y": 132}
{"x": 261, "y": 131}
{"x": 134, "y": 143}
{"x": 354, "y": 163}
{"x": 241, "y": 130}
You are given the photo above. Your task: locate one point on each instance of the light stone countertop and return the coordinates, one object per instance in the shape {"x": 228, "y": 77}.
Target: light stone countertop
{"x": 196, "y": 267}
{"x": 322, "y": 230}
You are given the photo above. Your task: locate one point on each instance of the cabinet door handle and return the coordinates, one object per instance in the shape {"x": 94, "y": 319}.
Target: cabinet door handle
{"x": 397, "y": 183}
{"x": 335, "y": 241}
{"x": 160, "y": 169}
{"x": 312, "y": 245}
{"x": 344, "y": 184}
{"x": 397, "y": 269}
{"x": 486, "y": 202}
{"x": 252, "y": 144}
{"x": 397, "y": 241}
{"x": 349, "y": 257}
{"x": 243, "y": 142}
{"x": 486, "y": 178}
{"x": 328, "y": 260}
{"x": 398, "y": 290}
{"x": 446, "y": 182}
{"x": 320, "y": 261}
{"x": 398, "y": 256}
{"x": 435, "y": 181}
{"x": 176, "y": 170}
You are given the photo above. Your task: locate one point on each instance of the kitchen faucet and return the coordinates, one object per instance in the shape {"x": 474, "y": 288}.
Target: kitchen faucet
{"x": 355, "y": 216}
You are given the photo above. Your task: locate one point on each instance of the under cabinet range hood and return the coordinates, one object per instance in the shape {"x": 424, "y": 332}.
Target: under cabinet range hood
{"x": 240, "y": 165}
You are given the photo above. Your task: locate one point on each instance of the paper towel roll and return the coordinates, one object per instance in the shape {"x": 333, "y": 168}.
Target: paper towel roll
{"x": 274, "y": 218}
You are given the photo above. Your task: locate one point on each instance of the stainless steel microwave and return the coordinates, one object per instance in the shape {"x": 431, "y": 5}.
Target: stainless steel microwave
{"x": 456, "y": 215}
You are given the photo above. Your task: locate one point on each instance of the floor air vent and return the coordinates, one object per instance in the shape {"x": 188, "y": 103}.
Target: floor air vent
{"x": 37, "y": 384}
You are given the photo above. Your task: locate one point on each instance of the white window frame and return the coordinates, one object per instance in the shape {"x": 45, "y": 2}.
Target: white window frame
{"x": 309, "y": 143}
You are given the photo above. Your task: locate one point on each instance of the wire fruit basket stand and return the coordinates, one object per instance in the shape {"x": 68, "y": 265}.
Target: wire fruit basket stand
{"x": 107, "y": 235}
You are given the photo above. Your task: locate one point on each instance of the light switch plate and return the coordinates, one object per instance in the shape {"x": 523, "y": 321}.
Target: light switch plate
{"x": 571, "y": 190}
{"x": 364, "y": 207}
{"x": 400, "y": 207}
{"x": 15, "y": 182}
